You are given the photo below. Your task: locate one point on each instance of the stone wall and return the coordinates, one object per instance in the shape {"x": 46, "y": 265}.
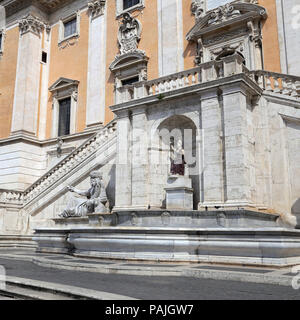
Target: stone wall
{"x": 288, "y": 17}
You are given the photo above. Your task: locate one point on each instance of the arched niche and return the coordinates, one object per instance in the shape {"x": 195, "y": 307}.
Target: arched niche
{"x": 168, "y": 132}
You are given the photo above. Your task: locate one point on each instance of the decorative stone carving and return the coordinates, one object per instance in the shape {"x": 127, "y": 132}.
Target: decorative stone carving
{"x": 165, "y": 218}
{"x": 216, "y": 54}
{"x": 221, "y": 220}
{"x": 225, "y": 36}
{"x": 96, "y": 8}
{"x": 134, "y": 219}
{"x": 255, "y": 35}
{"x": 227, "y": 25}
{"x": 59, "y": 145}
{"x": 198, "y": 8}
{"x": 96, "y": 199}
{"x": 223, "y": 13}
{"x": 129, "y": 34}
{"x": 31, "y": 24}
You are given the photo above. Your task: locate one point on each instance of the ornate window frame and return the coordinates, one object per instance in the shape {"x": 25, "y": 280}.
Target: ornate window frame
{"x": 131, "y": 62}
{"x": 63, "y": 21}
{"x": 235, "y": 26}
{"x": 64, "y": 88}
{"x": 120, "y": 10}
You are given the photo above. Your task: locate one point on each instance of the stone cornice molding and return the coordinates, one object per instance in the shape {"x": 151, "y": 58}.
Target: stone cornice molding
{"x": 48, "y": 6}
{"x": 63, "y": 83}
{"x": 96, "y": 8}
{"x": 32, "y": 24}
{"x": 128, "y": 59}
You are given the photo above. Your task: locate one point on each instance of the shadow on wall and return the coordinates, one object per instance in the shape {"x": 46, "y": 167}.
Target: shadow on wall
{"x": 111, "y": 187}
{"x": 296, "y": 207}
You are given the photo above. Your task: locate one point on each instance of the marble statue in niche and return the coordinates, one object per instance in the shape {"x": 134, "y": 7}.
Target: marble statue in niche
{"x": 177, "y": 157}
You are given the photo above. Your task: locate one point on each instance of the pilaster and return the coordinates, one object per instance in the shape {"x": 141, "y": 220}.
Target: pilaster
{"x": 211, "y": 191}
{"x": 26, "y": 99}
{"x": 95, "y": 111}
{"x": 123, "y": 165}
{"x": 236, "y": 145}
{"x": 139, "y": 163}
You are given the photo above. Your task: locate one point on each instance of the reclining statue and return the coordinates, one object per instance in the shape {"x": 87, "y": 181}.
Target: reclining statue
{"x": 96, "y": 199}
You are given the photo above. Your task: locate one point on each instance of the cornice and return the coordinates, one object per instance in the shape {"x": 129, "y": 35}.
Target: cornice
{"x": 48, "y": 6}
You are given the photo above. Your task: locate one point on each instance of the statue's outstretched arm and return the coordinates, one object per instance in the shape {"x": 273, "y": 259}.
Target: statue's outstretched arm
{"x": 80, "y": 192}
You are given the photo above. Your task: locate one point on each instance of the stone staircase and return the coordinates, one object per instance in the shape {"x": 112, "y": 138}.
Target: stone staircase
{"x": 27, "y": 289}
{"x": 19, "y": 199}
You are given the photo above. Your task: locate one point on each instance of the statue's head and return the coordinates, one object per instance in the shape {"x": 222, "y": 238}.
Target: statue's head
{"x": 96, "y": 177}
{"x": 127, "y": 17}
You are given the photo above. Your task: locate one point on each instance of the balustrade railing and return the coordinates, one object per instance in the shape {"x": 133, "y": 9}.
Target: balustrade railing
{"x": 205, "y": 72}
{"x": 276, "y": 82}
{"x": 210, "y": 71}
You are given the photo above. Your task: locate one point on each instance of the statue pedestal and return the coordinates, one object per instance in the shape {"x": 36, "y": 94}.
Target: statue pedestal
{"x": 179, "y": 193}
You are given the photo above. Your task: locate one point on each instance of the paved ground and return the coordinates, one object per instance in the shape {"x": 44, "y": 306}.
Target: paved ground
{"x": 18, "y": 264}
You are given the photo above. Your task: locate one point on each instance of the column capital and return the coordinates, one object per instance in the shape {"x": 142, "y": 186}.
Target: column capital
{"x": 96, "y": 8}
{"x": 32, "y": 24}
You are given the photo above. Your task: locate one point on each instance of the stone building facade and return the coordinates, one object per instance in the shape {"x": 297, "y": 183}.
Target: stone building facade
{"x": 83, "y": 83}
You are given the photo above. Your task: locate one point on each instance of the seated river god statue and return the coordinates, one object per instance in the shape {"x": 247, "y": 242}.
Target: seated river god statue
{"x": 96, "y": 199}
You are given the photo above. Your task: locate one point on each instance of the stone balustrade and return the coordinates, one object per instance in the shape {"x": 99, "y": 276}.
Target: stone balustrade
{"x": 210, "y": 71}
{"x": 205, "y": 72}
{"x": 62, "y": 168}
{"x": 276, "y": 82}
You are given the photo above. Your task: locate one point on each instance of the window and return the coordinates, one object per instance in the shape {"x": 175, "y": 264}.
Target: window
{"x": 129, "y": 3}
{"x": 1, "y": 42}
{"x": 130, "y": 81}
{"x": 64, "y": 117}
{"x": 70, "y": 28}
{"x": 213, "y": 4}
{"x": 64, "y": 93}
{"x": 44, "y": 57}
{"x": 128, "y": 6}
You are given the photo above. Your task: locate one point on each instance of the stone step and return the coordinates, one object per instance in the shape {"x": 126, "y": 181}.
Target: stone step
{"x": 29, "y": 289}
{"x": 28, "y": 293}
